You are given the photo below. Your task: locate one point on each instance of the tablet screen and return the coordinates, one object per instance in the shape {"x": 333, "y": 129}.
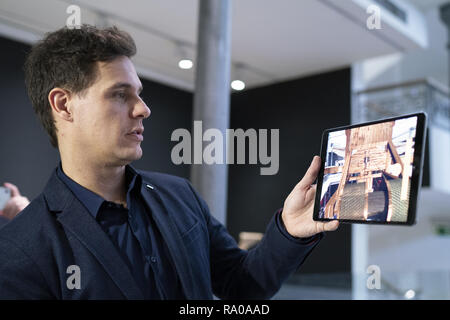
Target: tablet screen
{"x": 367, "y": 172}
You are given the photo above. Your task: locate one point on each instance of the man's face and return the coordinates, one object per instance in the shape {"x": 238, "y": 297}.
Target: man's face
{"x": 107, "y": 126}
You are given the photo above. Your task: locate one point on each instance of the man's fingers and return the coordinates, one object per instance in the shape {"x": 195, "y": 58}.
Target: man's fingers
{"x": 327, "y": 226}
{"x": 22, "y": 203}
{"x": 14, "y": 190}
{"x": 330, "y": 226}
{"x": 311, "y": 173}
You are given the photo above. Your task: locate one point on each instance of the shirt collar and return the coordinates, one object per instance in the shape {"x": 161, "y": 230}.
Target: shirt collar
{"x": 91, "y": 200}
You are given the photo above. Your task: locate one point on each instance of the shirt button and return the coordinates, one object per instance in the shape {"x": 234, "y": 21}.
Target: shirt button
{"x": 153, "y": 259}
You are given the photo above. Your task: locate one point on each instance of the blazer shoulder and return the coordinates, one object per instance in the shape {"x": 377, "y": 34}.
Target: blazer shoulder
{"x": 28, "y": 223}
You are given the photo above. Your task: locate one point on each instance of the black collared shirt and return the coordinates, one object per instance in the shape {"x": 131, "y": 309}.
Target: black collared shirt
{"x": 135, "y": 235}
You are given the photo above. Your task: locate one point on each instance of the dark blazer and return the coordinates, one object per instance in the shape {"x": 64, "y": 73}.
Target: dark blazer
{"x": 56, "y": 231}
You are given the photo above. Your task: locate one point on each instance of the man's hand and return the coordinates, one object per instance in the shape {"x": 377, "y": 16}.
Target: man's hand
{"x": 297, "y": 214}
{"x": 15, "y": 204}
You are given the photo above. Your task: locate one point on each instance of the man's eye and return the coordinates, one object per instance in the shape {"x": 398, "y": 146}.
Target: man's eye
{"x": 120, "y": 95}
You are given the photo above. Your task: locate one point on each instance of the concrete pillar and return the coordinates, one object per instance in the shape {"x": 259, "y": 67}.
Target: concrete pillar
{"x": 212, "y": 99}
{"x": 360, "y": 233}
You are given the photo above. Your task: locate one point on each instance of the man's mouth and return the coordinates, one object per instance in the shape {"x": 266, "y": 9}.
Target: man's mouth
{"x": 136, "y": 134}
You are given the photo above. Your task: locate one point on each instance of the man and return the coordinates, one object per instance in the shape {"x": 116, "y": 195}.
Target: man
{"x": 104, "y": 230}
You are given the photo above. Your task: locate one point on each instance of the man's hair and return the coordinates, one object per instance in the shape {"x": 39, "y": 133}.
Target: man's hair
{"x": 67, "y": 59}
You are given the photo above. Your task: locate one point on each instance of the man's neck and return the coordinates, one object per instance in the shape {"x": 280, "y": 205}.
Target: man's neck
{"x": 106, "y": 181}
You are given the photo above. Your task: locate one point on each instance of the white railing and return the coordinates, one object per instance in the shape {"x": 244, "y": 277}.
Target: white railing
{"x": 393, "y": 100}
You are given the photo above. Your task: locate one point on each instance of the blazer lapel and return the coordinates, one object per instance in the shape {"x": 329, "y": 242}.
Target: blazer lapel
{"x": 77, "y": 220}
{"x": 171, "y": 236}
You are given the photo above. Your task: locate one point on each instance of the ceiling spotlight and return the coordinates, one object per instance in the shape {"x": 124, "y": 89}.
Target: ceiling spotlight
{"x": 410, "y": 294}
{"x": 181, "y": 52}
{"x": 185, "y": 64}
{"x": 237, "y": 70}
{"x": 238, "y": 85}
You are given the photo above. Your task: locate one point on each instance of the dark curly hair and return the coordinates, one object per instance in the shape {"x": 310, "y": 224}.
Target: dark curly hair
{"x": 67, "y": 59}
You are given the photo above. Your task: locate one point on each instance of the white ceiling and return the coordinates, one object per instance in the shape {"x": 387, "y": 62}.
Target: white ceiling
{"x": 425, "y": 5}
{"x": 276, "y": 39}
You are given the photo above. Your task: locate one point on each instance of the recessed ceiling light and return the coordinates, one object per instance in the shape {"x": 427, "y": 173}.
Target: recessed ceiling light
{"x": 185, "y": 64}
{"x": 238, "y": 85}
{"x": 410, "y": 294}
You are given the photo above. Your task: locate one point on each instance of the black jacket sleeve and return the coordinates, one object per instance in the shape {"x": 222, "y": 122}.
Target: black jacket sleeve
{"x": 259, "y": 272}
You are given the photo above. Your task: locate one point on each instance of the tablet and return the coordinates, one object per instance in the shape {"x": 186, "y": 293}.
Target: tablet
{"x": 371, "y": 172}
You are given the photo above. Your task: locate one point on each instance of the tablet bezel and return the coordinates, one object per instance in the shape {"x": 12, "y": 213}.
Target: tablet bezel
{"x": 416, "y": 178}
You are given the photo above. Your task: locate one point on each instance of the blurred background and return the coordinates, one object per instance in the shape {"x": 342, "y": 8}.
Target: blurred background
{"x": 304, "y": 66}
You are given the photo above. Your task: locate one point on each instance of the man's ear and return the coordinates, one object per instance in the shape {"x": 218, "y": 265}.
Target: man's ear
{"x": 59, "y": 100}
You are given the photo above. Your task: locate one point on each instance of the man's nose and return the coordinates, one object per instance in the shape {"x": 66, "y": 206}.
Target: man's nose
{"x": 141, "y": 110}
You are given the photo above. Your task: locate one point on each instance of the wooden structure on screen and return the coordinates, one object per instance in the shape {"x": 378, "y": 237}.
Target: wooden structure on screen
{"x": 371, "y": 157}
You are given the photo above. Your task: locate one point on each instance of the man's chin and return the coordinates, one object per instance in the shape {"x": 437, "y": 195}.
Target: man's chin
{"x": 136, "y": 155}
{"x": 131, "y": 156}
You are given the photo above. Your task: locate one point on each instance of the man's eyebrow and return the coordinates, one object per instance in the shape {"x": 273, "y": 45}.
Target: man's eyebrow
{"x": 123, "y": 85}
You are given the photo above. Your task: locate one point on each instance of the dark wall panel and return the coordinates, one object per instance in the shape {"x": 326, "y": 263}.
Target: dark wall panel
{"x": 27, "y": 157}
{"x": 301, "y": 110}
